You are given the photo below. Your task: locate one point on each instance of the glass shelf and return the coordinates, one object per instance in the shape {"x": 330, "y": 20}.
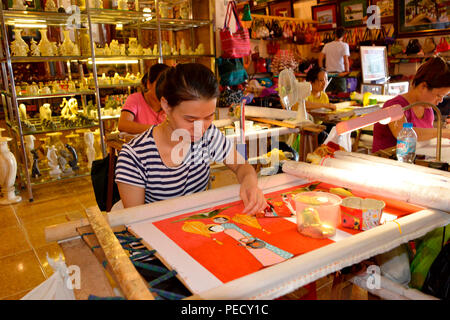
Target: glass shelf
{"x": 54, "y": 95}
{"x": 56, "y": 120}
{"x": 17, "y": 59}
{"x": 131, "y": 19}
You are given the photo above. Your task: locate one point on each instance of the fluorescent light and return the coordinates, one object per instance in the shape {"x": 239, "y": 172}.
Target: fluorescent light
{"x": 28, "y": 21}
{"x": 131, "y": 61}
{"x": 384, "y": 116}
{"x": 27, "y": 25}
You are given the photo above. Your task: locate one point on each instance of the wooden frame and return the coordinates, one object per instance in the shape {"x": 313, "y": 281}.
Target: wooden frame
{"x": 281, "y": 9}
{"x": 353, "y": 12}
{"x": 326, "y": 15}
{"x": 409, "y": 22}
{"x": 386, "y": 10}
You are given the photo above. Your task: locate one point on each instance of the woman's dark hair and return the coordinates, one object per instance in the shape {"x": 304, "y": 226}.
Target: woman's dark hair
{"x": 153, "y": 73}
{"x": 313, "y": 73}
{"x": 435, "y": 72}
{"x": 187, "y": 82}
{"x": 340, "y": 32}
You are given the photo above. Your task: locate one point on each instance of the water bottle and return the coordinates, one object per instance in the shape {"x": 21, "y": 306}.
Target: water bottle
{"x": 406, "y": 143}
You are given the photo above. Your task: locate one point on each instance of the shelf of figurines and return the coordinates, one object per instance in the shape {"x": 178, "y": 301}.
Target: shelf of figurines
{"x": 71, "y": 116}
{"x": 55, "y": 156}
{"x": 114, "y": 52}
{"x": 70, "y": 88}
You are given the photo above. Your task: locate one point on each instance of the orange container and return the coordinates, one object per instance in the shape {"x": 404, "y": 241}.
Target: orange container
{"x": 361, "y": 214}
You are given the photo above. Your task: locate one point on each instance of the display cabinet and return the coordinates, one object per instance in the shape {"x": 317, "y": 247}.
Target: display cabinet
{"x": 66, "y": 71}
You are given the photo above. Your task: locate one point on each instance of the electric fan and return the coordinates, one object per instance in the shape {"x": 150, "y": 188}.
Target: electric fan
{"x": 293, "y": 92}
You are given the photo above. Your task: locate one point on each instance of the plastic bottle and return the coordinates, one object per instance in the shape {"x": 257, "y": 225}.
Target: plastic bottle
{"x": 406, "y": 143}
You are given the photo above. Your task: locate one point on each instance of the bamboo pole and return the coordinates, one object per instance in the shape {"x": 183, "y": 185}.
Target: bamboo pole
{"x": 130, "y": 282}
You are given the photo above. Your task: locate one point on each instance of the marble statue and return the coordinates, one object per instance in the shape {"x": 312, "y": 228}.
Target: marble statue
{"x": 90, "y": 150}
{"x": 8, "y": 171}
{"x": 52, "y": 157}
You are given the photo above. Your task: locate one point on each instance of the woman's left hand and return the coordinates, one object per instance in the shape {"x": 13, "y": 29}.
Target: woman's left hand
{"x": 253, "y": 198}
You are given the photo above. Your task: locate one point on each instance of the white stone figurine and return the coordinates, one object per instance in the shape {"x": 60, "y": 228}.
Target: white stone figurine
{"x": 19, "y": 5}
{"x": 29, "y": 145}
{"x": 23, "y": 112}
{"x": 183, "y": 48}
{"x": 122, "y": 5}
{"x": 34, "y": 48}
{"x": 155, "y": 50}
{"x": 52, "y": 157}
{"x": 50, "y": 6}
{"x": 67, "y": 46}
{"x": 65, "y": 111}
{"x": 8, "y": 171}
{"x": 114, "y": 47}
{"x": 19, "y": 47}
{"x": 45, "y": 46}
{"x": 90, "y": 150}
{"x": 45, "y": 112}
{"x": 200, "y": 49}
{"x": 73, "y": 107}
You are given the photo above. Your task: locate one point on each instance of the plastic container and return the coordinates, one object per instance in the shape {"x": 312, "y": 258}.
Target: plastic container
{"x": 406, "y": 144}
{"x": 318, "y": 213}
{"x": 361, "y": 214}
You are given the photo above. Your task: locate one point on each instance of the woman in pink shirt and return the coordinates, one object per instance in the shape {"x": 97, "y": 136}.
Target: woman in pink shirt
{"x": 143, "y": 109}
{"x": 430, "y": 84}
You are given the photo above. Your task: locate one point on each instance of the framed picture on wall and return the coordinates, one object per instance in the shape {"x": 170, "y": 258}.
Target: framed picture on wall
{"x": 281, "y": 9}
{"x": 353, "y": 12}
{"x": 418, "y": 18}
{"x": 325, "y": 15}
{"x": 386, "y": 10}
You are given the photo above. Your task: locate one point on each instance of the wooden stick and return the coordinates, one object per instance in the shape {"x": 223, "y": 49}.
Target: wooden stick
{"x": 131, "y": 283}
{"x": 274, "y": 122}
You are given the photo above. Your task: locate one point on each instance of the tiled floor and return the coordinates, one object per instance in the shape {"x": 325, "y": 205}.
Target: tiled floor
{"x": 23, "y": 248}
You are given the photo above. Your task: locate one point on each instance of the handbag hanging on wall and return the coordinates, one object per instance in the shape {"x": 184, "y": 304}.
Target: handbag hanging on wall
{"x": 413, "y": 46}
{"x": 429, "y": 45}
{"x": 442, "y": 46}
{"x": 367, "y": 39}
{"x": 231, "y": 71}
{"x": 237, "y": 44}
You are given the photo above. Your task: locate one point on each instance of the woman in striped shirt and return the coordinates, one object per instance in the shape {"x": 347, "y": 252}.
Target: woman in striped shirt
{"x": 173, "y": 158}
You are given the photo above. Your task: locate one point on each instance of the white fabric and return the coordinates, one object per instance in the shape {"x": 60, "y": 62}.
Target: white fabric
{"x": 56, "y": 287}
{"x": 334, "y": 55}
{"x": 343, "y": 140}
{"x": 394, "y": 265}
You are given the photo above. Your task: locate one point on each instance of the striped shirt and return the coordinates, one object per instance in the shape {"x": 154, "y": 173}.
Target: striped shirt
{"x": 139, "y": 164}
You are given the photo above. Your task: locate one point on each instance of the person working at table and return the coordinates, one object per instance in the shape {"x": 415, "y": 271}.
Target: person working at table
{"x": 173, "y": 158}
{"x": 318, "y": 78}
{"x": 431, "y": 84}
{"x": 335, "y": 54}
{"x": 143, "y": 109}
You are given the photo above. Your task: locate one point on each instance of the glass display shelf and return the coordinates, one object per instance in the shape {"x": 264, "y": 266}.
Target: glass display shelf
{"x": 36, "y": 122}
{"x": 131, "y": 19}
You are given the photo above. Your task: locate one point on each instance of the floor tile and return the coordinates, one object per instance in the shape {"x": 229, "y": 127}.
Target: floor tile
{"x": 7, "y": 217}
{"x": 36, "y": 229}
{"x": 13, "y": 241}
{"x": 16, "y": 296}
{"x": 19, "y": 273}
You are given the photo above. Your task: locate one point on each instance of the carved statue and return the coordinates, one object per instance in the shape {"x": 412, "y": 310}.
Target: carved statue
{"x": 52, "y": 157}
{"x": 35, "y": 172}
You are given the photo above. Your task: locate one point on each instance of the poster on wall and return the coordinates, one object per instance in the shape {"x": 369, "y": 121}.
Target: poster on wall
{"x": 353, "y": 12}
{"x": 425, "y": 17}
{"x": 325, "y": 15}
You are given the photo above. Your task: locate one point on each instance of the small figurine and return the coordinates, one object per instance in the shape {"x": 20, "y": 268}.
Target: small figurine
{"x": 65, "y": 111}
{"x": 73, "y": 162}
{"x": 122, "y": 5}
{"x": 155, "y": 50}
{"x": 66, "y": 48}
{"x": 19, "y": 47}
{"x": 183, "y": 48}
{"x": 90, "y": 151}
{"x": 19, "y": 5}
{"x": 29, "y": 147}
{"x": 34, "y": 48}
{"x": 63, "y": 162}
{"x": 55, "y": 171}
{"x": 44, "y": 46}
{"x": 200, "y": 49}
{"x": 35, "y": 172}
{"x": 50, "y": 6}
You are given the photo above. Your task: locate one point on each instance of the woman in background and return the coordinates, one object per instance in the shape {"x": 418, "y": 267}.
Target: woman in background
{"x": 430, "y": 84}
{"x": 143, "y": 109}
{"x": 318, "y": 78}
